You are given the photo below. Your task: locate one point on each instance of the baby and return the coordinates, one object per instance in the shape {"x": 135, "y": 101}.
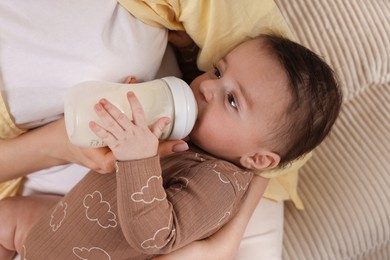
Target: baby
{"x": 268, "y": 102}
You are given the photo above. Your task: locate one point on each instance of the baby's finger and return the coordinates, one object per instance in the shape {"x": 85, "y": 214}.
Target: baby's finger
{"x": 102, "y": 133}
{"x": 137, "y": 110}
{"x": 158, "y": 126}
{"x": 112, "y": 118}
{"x": 131, "y": 80}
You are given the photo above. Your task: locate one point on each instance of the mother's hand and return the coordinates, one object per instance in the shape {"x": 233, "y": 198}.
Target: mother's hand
{"x": 63, "y": 151}
{"x": 49, "y": 146}
{"x": 225, "y": 242}
{"x": 208, "y": 249}
{"x": 98, "y": 159}
{"x": 45, "y": 147}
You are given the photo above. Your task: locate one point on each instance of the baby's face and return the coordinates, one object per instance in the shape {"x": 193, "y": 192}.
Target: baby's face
{"x": 239, "y": 102}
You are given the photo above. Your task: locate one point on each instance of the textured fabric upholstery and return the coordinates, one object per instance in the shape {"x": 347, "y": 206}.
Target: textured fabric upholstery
{"x": 345, "y": 187}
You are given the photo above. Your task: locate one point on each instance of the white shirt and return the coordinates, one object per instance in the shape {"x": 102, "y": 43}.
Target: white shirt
{"x": 47, "y": 46}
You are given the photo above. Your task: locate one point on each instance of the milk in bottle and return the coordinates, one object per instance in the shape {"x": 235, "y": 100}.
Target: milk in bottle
{"x": 167, "y": 97}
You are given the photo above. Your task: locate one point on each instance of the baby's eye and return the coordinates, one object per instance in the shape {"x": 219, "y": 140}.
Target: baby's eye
{"x": 217, "y": 73}
{"x": 232, "y": 101}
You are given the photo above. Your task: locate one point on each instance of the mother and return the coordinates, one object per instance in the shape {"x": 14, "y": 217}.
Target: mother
{"x": 42, "y": 56}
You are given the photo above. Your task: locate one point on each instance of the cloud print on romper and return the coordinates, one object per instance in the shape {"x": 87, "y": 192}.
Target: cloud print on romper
{"x": 58, "y": 215}
{"x": 96, "y": 209}
{"x": 147, "y": 194}
{"x": 223, "y": 219}
{"x": 159, "y": 239}
{"x": 241, "y": 183}
{"x": 93, "y": 253}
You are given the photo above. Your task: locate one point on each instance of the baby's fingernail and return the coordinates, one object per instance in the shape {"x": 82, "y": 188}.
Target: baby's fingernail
{"x": 103, "y": 101}
{"x": 132, "y": 79}
{"x": 180, "y": 147}
{"x": 98, "y": 107}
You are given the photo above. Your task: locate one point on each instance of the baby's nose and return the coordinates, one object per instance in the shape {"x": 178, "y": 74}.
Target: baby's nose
{"x": 208, "y": 91}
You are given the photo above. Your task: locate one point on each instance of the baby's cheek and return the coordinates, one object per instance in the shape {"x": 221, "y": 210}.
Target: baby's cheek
{"x": 207, "y": 136}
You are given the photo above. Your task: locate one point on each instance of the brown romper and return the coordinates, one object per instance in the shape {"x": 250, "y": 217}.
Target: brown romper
{"x": 148, "y": 207}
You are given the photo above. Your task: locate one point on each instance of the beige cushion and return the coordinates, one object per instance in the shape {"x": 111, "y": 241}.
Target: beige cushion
{"x": 345, "y": 187}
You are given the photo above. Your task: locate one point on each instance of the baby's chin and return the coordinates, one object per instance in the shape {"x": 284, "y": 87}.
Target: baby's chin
{"x": 208, "y": 148}
{"x": 192, "y": 138}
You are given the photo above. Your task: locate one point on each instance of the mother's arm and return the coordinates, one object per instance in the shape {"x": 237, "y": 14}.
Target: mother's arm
{"x": 225, "y": 243}
{"x": 49, "y": 146}
{"x": 45, "y": 147}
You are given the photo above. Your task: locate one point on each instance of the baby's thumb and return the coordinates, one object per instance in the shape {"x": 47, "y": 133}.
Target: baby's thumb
{"x": 158, "y": 127}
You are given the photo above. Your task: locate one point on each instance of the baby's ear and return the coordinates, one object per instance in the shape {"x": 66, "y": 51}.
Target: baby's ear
{"x": 263, "y": 160}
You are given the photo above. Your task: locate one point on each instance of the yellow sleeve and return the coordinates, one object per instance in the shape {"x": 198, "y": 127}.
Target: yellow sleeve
{"x": 7, "y": 127}
{"x": 283, "y": 183}
{"x": 8, "y": 130}
{"x": 11, "y": 188}
{"x": 216, "y": 26}
{"x": 159, "y": 13}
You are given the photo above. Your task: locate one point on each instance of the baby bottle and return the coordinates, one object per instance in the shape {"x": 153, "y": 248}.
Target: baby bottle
{"x": 166, "y": 97}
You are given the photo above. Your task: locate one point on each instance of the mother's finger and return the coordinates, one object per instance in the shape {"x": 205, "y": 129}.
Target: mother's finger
{"x": 137, "y": 110}
{"x": 171, "y": 146}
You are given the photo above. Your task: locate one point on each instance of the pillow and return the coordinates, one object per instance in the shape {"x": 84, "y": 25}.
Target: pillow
{"x": 345, "y": 186}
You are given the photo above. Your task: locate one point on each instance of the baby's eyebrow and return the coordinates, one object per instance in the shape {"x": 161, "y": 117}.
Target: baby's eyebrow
{"x": 244, "y": 99}
{"x": 224, "y": 61}
{"x": 246, "y": 96}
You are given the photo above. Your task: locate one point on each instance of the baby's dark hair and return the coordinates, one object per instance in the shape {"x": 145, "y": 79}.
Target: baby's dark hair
{"x": 315, "y": 103}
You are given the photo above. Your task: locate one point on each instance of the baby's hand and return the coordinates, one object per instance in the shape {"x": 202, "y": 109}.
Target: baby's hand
{"x": 128, "y": 139}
